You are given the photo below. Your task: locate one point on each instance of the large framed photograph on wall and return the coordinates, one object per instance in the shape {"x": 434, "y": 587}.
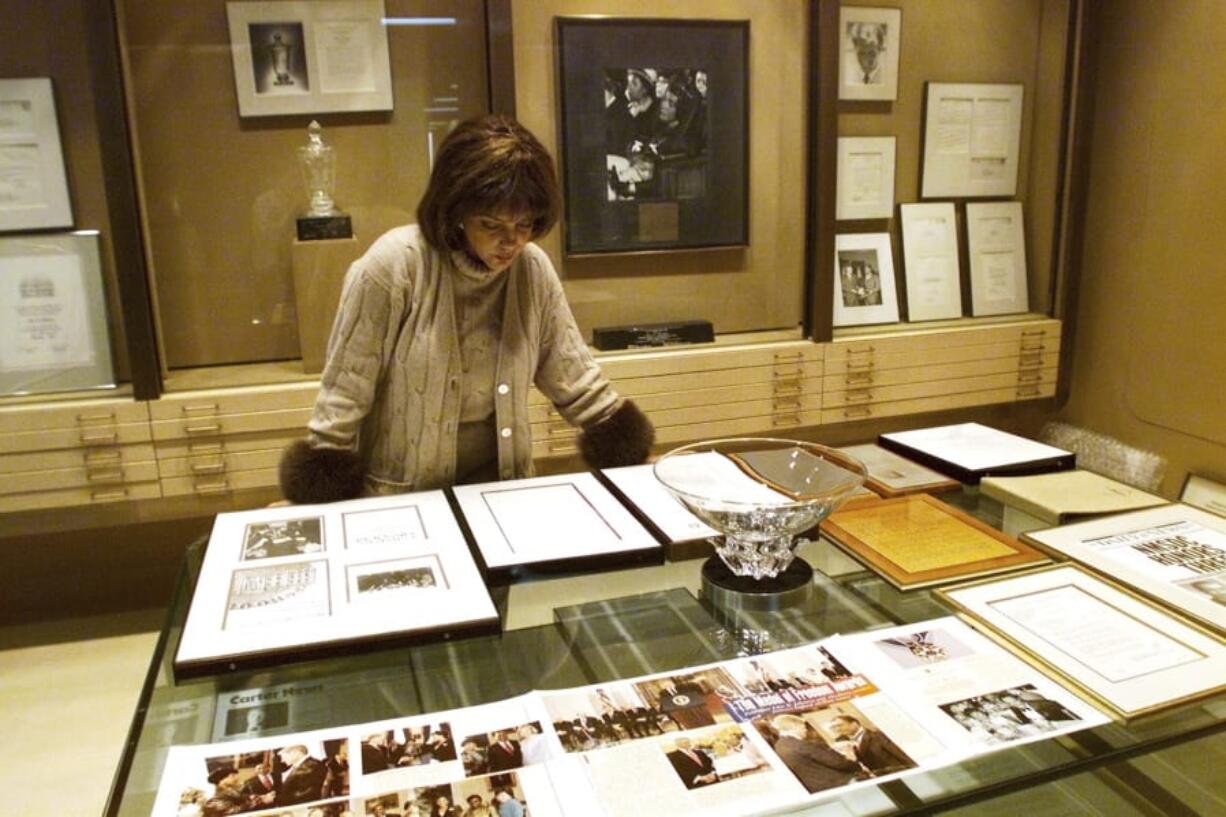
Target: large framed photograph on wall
{"x": 654, "y": 133}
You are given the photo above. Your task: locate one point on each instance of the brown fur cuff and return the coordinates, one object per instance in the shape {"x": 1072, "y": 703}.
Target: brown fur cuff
{"x": 314, "y": 475}
{"x": 623, "y": 438}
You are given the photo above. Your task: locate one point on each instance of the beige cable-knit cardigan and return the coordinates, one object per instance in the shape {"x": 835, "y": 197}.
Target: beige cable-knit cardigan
{"x": 391, "y": 386}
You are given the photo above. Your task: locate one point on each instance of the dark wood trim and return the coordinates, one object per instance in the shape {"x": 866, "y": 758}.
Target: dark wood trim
{"x": 500, "y": 57}
{"x": 119, "y": 175}
{"x": 823, "y": 130}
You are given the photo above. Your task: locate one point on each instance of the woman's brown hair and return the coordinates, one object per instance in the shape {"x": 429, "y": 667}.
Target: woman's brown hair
{"x": 488, "y": 164}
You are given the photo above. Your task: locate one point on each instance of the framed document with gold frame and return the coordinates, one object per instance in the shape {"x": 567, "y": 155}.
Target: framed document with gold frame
{"x": 918, "y": 541}
{"x": 1126, "y": 653}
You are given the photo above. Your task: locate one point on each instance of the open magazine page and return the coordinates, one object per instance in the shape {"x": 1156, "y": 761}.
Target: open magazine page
{"x": 485, "y": 757}
{"x": 966, "y": 691}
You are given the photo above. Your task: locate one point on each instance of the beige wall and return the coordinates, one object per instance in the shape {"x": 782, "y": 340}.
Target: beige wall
{"x": 1150, "y": 362}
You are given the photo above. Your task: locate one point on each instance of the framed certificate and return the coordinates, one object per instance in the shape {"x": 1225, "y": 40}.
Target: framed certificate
{"x": 868, "y": 52}
{"x": 996, "y": 247}
{"x": 295, "y": 57}
{"x": 930, "y": 261}
{"x": 33, "y": 185}
{"x": 865, "y": 178}
{"x": 918, "y": 541}
{"x": 972, "y": 134}
{"x": 1126, "y": 653}
{"x": 968, "y": 452}
{"x": 568, "y": 521}
{"x": 864, "y": 290}
{"x": 1175, "y": 554}
{"x": 1204, "y": 493}
{"x": 891, "y": 475}
{"x": 683, "y": 534}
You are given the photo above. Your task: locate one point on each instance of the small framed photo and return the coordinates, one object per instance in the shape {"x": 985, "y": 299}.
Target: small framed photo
{"x": 868, "y": 52}
{"x": 930, "y": 261}
{"x": 972, "y": 135}
{"x": 654, "y": 133}
{"x": 1204, "y": 493}
{"x": 864, "y": 290}
{"x": 303, "y": 57}
{"x": 865, "y": 180}
{"x": 33, "y": 185}
{"x": 996, "y": 246}
{"x": 53, "y": 328}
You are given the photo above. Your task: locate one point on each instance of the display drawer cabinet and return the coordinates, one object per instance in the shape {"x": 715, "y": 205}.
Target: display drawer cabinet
{"x": 226, "y": 440}
{"x": 704, "y": 392}
{"x": 886, "y": 375}
{"x": 86, "y": 452}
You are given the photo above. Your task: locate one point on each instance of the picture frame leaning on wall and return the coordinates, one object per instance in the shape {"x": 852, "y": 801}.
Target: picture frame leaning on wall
{"x": 33, "y": 183}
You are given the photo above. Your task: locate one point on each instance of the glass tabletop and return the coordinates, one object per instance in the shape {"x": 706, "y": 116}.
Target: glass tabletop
{"x": 563, "y": 631}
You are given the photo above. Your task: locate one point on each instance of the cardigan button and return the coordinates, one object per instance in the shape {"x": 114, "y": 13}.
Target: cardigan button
{"x": 506, "y": 432}
{"x": 503, "y": 388}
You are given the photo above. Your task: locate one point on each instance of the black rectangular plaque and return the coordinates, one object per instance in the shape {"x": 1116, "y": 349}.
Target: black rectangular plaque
{"x": 647, "y": 335}
{"x": 321, "y": 228}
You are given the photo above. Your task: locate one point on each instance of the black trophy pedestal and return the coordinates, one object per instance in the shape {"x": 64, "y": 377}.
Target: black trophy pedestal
{"x": 727, "y": 591}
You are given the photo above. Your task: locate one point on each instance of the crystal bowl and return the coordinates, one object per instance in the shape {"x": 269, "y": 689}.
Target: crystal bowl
{"x": 759, "y": 493}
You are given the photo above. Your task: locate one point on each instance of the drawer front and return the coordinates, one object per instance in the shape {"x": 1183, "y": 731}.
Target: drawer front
{"x": 224, "y": 425}
{"x": 1019, "y": 353}
{"x": 848, "y": 414}
{"x": 944, "y": 371}
{"x": 221, "y": 462}
{"x": 218, "y": 484}
{"x": 786, "y": 395}
{"x": 97, "y": 495}
{"x": 195, "y": 405}
{"x": 1029, "y": 332}
{"x": 95, "y": 457}
{"x": 212, "y": 446}
{"x": 76, "y": 414}
{"x": 654, "y": 364}
{"x": 79, "y": 477}
{"x": 863, "y": 395}
{"x": 89, "y": 438}
{"x": 782, "y": 378}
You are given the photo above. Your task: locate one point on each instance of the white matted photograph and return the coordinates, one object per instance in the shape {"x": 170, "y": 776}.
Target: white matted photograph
{"x": 395, "y": 580}
{"x": 996, "y": 247}
{"x": 972, "y": 135}
{"x": 1204, "y": 493}
{"x": 294, "y": 57}
{"x": 33, "y": 184}
{"x": 930, "y": 261}
{"x": 869, "y": 41}
{"x": 864, "y": 290}
{"x": 865, "y": 180}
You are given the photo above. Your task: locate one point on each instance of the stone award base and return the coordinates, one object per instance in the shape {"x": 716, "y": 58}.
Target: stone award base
{"x": 727, "y": 591}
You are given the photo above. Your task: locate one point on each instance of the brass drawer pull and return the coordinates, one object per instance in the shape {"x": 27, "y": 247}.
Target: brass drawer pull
{"x": 208, "y": 467}
{"x": 786, "y": 356}
{"x": 1029, "y": 391}
{"x": 859, "y": 379}
{"x": 1033, "y": 347}
{"x": 788, "y": 419}
{"x": 219, "y": 487}
{"x": 208, "y": 428}
{"x": 1034, "y": 333}
{"x": 1029, "y": 377}
{"x": 200, "y": 407}
{"x": 105, "y": 475}
{"x": 1030, "y": 360}
{"x": 787, "y": 403}
{"x": 556, "y": 428}
{"x": 795, "y": 372}
{"x": 94, "y": 418}
{"x": 556, "y": 446}
{"x": 99, "y": 457}
{"x": 861, "y": 367}
{"x": 102, "y": 496}
{"x": 866, "y": 350}
{"x": 859, "y": 396}
{"x": 862, "y": 411}
{"x": 206, "y": 448}
{"x": 101, "y": 438}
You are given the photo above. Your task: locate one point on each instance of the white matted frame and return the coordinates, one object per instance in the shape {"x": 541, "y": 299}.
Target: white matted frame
{"x": 865, "y": 180}
{"x": 930, "y": 261}
{"x": 972, "y": 136}
{"x": 869, "y": 41}
{"x": 1204, "y": 493}
{"x": 996, "y": 249}
{"x": 864, "y": 290}
{"x": 33, "y": 185}
{"x": 53, "y": 328}
{"x": 304, "y": 57}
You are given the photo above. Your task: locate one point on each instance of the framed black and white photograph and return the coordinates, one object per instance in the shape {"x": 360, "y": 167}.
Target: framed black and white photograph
{"x": 868, "y": 52}
{"x": 865, "y": 178}
{"x": 283, "y": 537}
{"x": 930, "y": 261}
{"x": 864, "y": 290}
{"x": 654, "y": 133}
{"x": 300, "y": 57}
{"x": 972, "y": 136}
{"x": 33, "y": 184}
{"x": 53, "y": 323}
{"x": 996, "y": 249}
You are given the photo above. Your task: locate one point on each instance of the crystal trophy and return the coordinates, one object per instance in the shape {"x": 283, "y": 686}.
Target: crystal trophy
{"x": 318, "y": 162}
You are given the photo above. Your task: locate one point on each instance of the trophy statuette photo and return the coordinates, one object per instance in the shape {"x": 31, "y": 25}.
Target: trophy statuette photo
{"x": 318, "y": 162}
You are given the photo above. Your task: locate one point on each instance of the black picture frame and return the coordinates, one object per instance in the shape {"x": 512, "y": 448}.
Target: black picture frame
{"x": 683, "y": 186}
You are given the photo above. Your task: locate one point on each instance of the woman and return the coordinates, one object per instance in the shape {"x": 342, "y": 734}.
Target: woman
{"x": 442, "y": 329}
{"x": 442, "y": 807}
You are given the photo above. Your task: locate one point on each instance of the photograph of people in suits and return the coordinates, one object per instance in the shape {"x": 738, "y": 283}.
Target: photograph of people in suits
{"x": 691, "y": 700}
{"x": 606, "y": 716}
{"x": 289, "y": 776}
{"x": 714, "y": 755}
{"x": 503, "y": 749}
{"x": 285, "y": 537}
{"x": 792, "y": 669}
{"x": 1009, "y": 714}
{"x": 473, "y": 797}
{"x": 410, "y": 746}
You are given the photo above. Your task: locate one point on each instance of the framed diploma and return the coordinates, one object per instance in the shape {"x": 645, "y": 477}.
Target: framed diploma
{"x": 1126, "y": 653}
{"x": 1175, "y": 554}
{"x": 864, "y": 291}
{"x": 968, "y": 452}
{"x": 53, "y": 327}
{"x": 303, "y": 57}
{"x": 1204, "y": 493}
{"x": 891, "y": 475}
{"x": 568, "y": 521}
{"x": 33, "y": 185}
{"x": 996, "y": 247}
{"x": 868, "y": 52}
{"x": 918, "y": 541}
{"x": 305, "y": 581}
{"x": 865, "y": 178}
{"x": 972, "y": 135}
{"x": 682, "y": 534}
{"x": 930, "y": 261}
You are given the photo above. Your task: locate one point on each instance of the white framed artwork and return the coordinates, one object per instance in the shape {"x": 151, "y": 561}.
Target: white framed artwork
{"x": 972, "y": 136}
{"x": 865, "y": 180}
{"x": 930, "y": 261}
{"x": 868, "y": 52}
{"x": 33, "y": 184}
{"x": 996, "y": 249}
{"x": 864, "y": 291}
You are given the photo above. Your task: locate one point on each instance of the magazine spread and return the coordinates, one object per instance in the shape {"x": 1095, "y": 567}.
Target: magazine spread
{"x": 747, "y": 735}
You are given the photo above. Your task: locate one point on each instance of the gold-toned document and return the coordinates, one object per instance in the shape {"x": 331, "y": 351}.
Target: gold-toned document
{"x": 918, "y": 541}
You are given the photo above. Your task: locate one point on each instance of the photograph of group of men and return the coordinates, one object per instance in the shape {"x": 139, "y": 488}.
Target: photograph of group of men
{"x": 502, "y": 750}
{"x": 474, "y": 797}
{"x": 794, "y": 669}
{"x": 860, "y": 278}
{"x": 288, "y": 776}
{"x": 710, "y": 756}
{"x": 1009, "y": 714}
{"x": 411, "y": 746}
